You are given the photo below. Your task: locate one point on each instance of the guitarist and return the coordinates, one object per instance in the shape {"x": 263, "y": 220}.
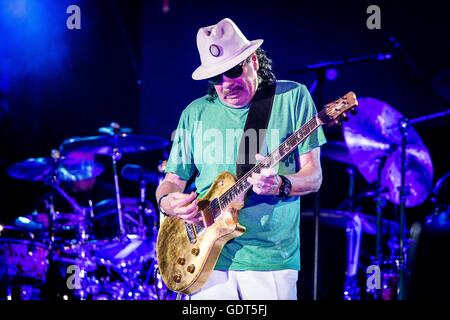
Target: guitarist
{"x": 263, "y": 263}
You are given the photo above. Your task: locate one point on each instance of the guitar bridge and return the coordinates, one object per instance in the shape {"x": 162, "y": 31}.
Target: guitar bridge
{"x": 191, "y": 232}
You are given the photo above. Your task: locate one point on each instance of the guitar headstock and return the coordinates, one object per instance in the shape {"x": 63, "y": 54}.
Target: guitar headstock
{"x": 335, "y": 112}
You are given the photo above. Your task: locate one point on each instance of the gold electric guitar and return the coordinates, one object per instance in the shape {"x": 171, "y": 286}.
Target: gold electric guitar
{"x": 187, "y": 253}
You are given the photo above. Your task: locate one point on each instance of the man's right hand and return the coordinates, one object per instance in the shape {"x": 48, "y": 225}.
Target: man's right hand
{"x": 182, "y": 205}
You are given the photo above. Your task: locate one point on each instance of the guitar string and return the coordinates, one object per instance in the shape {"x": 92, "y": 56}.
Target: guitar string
{"x": 278, "y": 149}
{"x": 312, "y": 121}
{"x": 263, "y": 163}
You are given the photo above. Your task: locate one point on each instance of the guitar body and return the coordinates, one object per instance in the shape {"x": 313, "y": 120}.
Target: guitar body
{"x": 186, "y": 261}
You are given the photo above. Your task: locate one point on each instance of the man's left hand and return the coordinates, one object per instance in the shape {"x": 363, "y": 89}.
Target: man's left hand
{"x": 265, "y": 183}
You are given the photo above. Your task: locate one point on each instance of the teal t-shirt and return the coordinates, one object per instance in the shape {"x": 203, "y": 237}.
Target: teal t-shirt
{"x": 206, "y": 143}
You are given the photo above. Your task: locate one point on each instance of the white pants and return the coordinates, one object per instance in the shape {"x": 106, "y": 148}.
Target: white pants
{"x": 249, "y": 285}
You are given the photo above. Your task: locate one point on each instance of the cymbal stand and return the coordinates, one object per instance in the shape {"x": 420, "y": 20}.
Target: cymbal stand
{"x": 54, "y": 182}
{"x": 349, "y": 203}
{"x": 353, "y": 234}
{"x": 351, "y": 188}
{"x": 142, "y": 207}
{"x": 404, "y": 125}
{"x": 117, "y": 155}
{"x": 380, "y": 204}
{"x": 404, "y": 192}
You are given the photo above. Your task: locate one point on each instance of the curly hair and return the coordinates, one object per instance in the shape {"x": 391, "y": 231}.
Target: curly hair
{"x": 265, "y": 74}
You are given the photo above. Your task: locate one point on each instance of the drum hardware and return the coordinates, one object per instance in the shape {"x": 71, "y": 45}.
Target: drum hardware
{"x": 116, "y": 142}
{"x": 405, "y": 128}
{"x": 23, "y": 263}
{"x": 388, "y": 151}
{"x": 137, "y": 173}
{"x": 441, "y": 202}
{"x": 109, "y": 266}
{"x": 55, "y": 167}
{"x": 353, "y": 235}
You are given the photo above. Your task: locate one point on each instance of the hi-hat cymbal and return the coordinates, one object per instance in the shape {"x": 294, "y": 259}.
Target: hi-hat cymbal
{"x": 42, "y": 169}
{"x": 105, "y": 145}
{"x": 374, "y": 134}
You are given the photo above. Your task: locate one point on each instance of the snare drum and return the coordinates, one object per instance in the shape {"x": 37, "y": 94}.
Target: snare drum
{"x": 22, "y": 259}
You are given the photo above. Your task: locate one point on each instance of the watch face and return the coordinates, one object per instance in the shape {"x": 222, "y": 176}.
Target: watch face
{"x": 286, "y": 187}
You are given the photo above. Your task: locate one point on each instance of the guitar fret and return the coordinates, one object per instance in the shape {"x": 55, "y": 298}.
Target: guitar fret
{"x": 279, "y": 153}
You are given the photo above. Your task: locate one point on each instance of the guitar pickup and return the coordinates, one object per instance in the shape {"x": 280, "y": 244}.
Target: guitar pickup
{"x": 208, "y": 218}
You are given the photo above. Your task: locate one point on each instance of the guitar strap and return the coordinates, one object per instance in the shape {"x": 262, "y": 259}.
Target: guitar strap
{"x": 257, "y": 119}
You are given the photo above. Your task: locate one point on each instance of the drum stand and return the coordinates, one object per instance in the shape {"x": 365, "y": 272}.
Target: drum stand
{"x": 115, "y": 131}
{"x": 353, "y": 242}
{"x": 116, "y": 155}
{"x": 353, "y": 234}
{"x": 380, "y": 204}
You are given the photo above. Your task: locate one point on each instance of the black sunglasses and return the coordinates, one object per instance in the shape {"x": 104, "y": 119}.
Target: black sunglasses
{"x": 234, "y": 72}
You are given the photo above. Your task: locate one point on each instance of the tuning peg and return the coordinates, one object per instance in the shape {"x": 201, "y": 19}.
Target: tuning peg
{"x": 353, "y": 111}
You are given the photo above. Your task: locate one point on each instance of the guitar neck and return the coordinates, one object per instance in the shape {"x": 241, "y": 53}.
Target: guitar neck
{"x": 241, "y": 186}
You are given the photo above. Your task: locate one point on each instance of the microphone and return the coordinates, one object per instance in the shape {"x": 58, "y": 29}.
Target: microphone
{"x": 135, "y": 172}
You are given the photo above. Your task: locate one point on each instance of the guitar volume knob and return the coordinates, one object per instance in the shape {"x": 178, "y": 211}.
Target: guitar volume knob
{"x": 195, "y": 251}
{"x": 177, "y": 278}
{"x": 191, "y": 268}
{"x": 181, "y": 261}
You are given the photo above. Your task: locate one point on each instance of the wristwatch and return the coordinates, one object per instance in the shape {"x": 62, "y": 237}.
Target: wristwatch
{"x": 285, "y": 187}
{"x": 159, "y": 205}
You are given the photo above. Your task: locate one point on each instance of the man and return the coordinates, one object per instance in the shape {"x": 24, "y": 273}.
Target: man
{"x": 263, "y": 263}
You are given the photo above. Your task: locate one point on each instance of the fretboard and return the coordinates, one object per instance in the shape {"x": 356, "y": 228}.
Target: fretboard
{"x": 242, "y": 185}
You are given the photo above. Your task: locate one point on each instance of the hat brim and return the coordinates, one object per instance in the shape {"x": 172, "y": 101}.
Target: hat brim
{"x": 203, "y": 72}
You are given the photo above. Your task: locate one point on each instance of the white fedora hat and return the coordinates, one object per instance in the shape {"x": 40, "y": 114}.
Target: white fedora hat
{"x": 221, "y": 47}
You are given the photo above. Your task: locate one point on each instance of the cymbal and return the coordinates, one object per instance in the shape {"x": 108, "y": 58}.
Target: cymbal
{"x": 373, "y": 135}
{"x": 337, "y": 151}
{"x": 40, "y": 220}
{"x": 105, "y": 145}
{"x": 42, "y": 169}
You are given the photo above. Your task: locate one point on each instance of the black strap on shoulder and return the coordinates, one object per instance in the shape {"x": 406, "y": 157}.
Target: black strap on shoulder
{"x": 257, "y": 119}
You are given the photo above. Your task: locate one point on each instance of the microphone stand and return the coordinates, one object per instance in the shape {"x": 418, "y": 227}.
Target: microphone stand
{"x": 318, "y": 84}
{"x": 332, "y": 64}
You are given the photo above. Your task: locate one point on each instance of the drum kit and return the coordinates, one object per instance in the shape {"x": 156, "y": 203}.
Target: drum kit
{"x": 101, "y": 251}
{"x": 373, "y": 146}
